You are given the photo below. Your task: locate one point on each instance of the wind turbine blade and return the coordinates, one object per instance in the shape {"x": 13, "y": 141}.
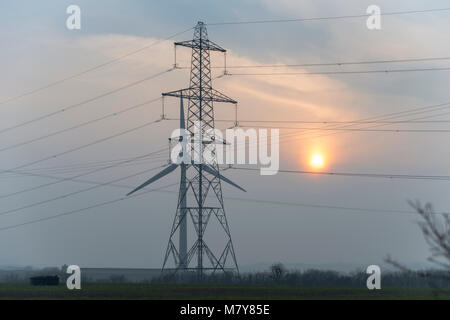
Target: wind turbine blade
{"x": 157, "y": 176}
{"x": 221, "y": 177}
{"x": 219, "y": 141}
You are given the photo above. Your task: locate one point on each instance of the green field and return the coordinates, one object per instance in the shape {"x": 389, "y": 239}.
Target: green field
{"x": 202, "y": 292}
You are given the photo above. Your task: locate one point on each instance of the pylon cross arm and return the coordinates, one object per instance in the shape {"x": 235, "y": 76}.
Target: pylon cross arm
{"x": 203, "y": 44}
{"x": 192, "y": 94}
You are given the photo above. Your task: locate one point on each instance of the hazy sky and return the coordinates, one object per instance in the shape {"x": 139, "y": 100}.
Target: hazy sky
{"x": 37, "y": 49}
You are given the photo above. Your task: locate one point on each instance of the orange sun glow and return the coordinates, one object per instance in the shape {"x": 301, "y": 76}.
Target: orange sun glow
{"x": 317, "y": 161}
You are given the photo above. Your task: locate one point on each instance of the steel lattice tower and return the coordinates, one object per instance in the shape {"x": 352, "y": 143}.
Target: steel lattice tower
{"x": 200, "y": 193}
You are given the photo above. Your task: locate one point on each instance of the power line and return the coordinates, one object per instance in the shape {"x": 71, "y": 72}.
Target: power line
{"x": 73, "y": 178}
{"x": 61, "y": 170}
{"x": 324, "y": 121}
{"x": 76, "y": 105}
{"x": 283, "y": 203}
{"x": 359, "y": 129}
{"x": 82, "y": 209}
{"x": 309, "y": 205}
{"x": 327, "y": 18}
{"x": 320, "y": 206}
{"x": 81, "y": 165}
{"x": 76, "y": 192}
{"x": 386, "y": 71}
{"x": 389, "y": 116}
{"x": 147, "y": 124}
{"x": 295, "y": 204}
{"x": 400, "y": 115}
{"x": 78, "y": 167}
{"x": 99, "y": 66}
{"x": 325, "y": 64}
{"x": 110, "y": 115}
{"x": 394, "y": 115}
{"x": 372, "y": 119}
{"x": 340, "y": 122}
{"x": 359, "y": 174}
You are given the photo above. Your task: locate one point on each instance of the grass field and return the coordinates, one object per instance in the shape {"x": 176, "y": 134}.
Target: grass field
{"x": 202, "y": 292}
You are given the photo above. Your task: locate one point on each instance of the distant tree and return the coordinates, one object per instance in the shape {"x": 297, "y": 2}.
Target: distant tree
{"x": 278, "y": 272}
{"x": 436, "y": 230}
{"x": 11, "y": 278}
{"x": 117, "y": 278}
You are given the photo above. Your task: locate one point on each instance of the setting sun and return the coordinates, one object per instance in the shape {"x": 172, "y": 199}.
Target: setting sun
{"x": 317, "y": 161}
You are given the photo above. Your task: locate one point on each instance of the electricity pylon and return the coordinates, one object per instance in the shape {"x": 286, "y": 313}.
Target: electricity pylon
{"x": 200, "y": 193}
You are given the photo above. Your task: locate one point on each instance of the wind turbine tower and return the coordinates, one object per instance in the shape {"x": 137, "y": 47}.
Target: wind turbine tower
{"x": 200, "y": 192}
